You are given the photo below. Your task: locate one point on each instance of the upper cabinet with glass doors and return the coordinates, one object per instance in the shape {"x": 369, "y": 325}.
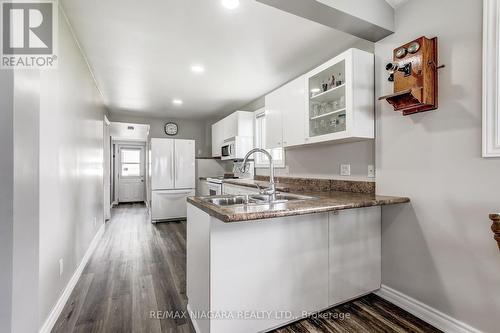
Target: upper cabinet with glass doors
{"x": 340, "y": 104}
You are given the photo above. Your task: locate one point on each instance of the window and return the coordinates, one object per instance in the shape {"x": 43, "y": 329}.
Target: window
{"x": 130, "y": 160}
{"x": 278, "y": 154}
{"x": 491, "y": 71}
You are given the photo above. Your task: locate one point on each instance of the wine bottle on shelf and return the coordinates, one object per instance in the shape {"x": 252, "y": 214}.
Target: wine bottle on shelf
{"x": 324, "y": 85}
{"x": 339, "y": 80}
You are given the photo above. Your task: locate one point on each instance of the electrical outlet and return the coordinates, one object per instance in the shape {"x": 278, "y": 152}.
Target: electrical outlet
{"x": 371, "y": 171}
{"x": 61, "y": 266}
{"x": 345, "y": 169}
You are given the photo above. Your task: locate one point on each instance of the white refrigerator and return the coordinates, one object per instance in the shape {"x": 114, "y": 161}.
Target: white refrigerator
{"x": 172, "y": 177}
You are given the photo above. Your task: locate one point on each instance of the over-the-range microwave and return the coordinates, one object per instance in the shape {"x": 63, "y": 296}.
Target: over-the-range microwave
{"x": 235, "y": 148}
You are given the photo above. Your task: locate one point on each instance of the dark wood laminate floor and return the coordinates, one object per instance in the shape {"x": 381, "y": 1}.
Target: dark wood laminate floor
{"x": 139, "y": 267}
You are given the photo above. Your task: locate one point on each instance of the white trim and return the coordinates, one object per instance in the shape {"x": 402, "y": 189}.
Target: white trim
{"x": 491, "y": 113}
{"x": 426, "y": 313}
{"x": 61, "y": 302}
{"x": 193, "y": 320}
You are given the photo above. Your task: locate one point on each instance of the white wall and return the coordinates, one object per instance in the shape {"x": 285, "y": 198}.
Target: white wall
{"x": 439, "y": 249}
{"x": 71, "y": 168}
{"x": 188, "y": 129}
{"x": 6, "y": 195}
{"x": 26, "y": 195}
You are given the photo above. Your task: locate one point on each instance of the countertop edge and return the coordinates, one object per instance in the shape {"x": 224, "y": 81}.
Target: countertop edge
{"x": 212, "y": 210}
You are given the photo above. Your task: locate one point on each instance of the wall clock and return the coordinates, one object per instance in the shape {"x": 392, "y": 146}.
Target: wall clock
{"x": 171, "y": 128}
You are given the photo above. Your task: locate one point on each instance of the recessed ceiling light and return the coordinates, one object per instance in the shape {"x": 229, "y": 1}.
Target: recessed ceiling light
{"x": 197, "y": 69}
{"x": 177, "y": 101}
{"x": 230, "y": 4}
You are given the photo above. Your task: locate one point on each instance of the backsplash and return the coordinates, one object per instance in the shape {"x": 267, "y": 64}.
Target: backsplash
{"x": 312, "y": 184}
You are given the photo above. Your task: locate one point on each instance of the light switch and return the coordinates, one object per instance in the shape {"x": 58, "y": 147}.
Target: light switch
{"x": 345, "y": 169}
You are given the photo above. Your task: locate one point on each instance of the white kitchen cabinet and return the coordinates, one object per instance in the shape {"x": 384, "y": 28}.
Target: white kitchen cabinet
{"x": 297, "y": 264}
{"x": 217, "y": 139}
{"x": 285, "y": 109}
{"x": 238, "y": 123}
{"x": 354, "y": 253}
{"x": 230, "y": 189}
{"x": 343, "y": 111}
{"x": 274, "y": 125}
{"x": 294, "y": 107}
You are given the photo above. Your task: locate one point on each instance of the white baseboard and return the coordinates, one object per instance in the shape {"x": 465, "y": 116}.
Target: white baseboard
{"x": 426, "y": 313}
{"x": 61, "y": 302}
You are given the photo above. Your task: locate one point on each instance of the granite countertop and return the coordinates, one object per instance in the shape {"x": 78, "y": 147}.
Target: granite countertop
{"x": 323, "y": 202}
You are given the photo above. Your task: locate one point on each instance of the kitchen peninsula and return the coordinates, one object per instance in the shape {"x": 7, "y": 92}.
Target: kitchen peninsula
{"x": 253, "y": 266}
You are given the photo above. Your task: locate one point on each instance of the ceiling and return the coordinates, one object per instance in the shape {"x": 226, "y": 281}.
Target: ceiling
{"x": 141, "y": 52}
{"x": 396, "y": 3}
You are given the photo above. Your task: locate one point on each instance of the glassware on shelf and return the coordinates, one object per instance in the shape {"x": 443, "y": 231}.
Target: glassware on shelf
{"x": 339, "y": 80}
{"x": 331, "y": 82}
{"x": 315, "y": 109}
{"x": 342, "y": 102}
{"x": 324, "y": 86}
{"x": 335, "y": 105}
{"x": 329, "y": 107}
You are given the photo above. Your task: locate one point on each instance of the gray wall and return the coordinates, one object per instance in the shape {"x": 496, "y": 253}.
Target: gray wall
{"x": 6, "y": 196}
{"x": 439, "y": 249}
{"x": 188, "y": 129}
{"x": 71, "y": 168}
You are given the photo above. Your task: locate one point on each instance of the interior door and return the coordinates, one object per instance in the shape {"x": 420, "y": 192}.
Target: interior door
{"x": 131, "y": 174}
{"x": 162, "y": 164}
{"x": 184, "y": 164}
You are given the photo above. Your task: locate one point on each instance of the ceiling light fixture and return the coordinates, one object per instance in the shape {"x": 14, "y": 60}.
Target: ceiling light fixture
{"x": 177, "y": 101}
{"x": 197, "y": 69}
{"x": 230, "y": 4}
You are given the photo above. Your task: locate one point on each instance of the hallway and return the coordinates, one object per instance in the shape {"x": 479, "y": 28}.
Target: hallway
{"x": 139, "y": 267}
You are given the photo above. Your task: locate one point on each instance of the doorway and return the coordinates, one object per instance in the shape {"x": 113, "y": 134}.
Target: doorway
{"x": 131, "y": 173}
{"x": 129, "y": 162}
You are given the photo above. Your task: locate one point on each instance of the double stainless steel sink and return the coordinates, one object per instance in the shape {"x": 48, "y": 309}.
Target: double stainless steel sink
{"x": 254, "y": 199}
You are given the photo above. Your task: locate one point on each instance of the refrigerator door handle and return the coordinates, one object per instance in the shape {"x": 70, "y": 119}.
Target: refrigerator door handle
{"x": 172, "y": 166}
{"x": 174, "y": 193}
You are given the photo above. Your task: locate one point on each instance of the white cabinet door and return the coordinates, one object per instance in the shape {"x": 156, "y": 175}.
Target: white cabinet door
{"x": 278, "y": 265}
{"x": 355, "y": 253}
{"x": 217, "y": 134}
{"x": 230, "y": 126}
{"x": 162, "y": 164}
{"x": 293, "y": 100}
{"x": 274, "y": 125}
{"x": 184, "y": 164}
